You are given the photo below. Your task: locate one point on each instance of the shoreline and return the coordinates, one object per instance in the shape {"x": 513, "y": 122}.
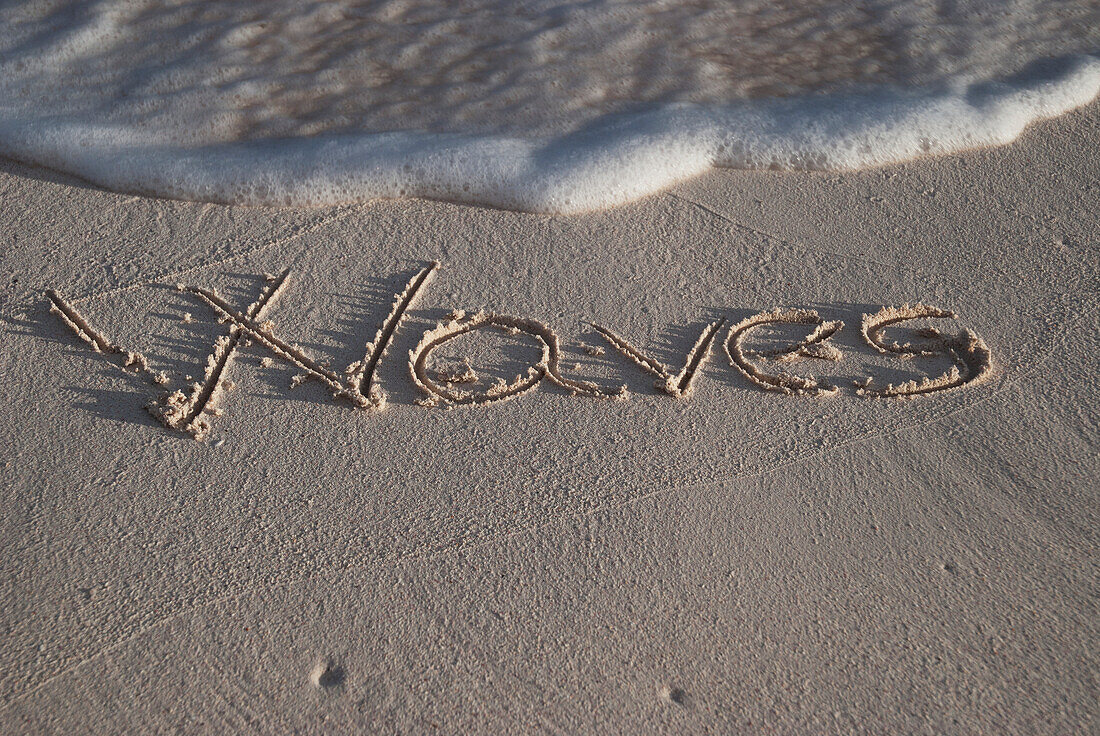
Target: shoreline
{"x": 610, "y": 163}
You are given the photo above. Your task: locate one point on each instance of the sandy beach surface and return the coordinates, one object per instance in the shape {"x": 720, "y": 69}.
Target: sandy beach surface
{"x": 738, "y": 560}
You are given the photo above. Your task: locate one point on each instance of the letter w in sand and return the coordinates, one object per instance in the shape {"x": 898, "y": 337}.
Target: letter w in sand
{"x": 356, "y": 385}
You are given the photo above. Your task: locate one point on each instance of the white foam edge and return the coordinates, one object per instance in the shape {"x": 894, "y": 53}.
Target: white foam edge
{"x": 615, "y": 162}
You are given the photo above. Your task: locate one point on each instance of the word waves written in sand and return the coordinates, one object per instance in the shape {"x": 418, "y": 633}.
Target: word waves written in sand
{"x": 190, "y": 409}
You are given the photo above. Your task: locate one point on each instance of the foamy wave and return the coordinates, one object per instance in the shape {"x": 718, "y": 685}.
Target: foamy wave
{"x": 609, "y": 164}
{"x": 273, "y": 104}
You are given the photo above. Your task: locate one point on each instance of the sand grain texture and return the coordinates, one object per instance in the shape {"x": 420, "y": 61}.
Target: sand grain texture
{"x": 733, "y": 560}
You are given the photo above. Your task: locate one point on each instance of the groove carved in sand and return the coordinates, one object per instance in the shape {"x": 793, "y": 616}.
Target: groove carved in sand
{"x": 189, "y": 413}
{"x": 812, "y": 346}
{"x": 546, "y": 367}
{"x": 681, "y": 384}
{"x": 127, "y": 360}
{"x": 264, "y": 333}
{"x": 361, "y": 373}
{"x": 969, "y": 353}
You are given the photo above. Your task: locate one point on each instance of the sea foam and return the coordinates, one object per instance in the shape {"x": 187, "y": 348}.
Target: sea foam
{"x": 554, "y": 107}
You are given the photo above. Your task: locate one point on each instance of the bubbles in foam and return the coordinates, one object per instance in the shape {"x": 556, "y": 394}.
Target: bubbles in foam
{"x": 545, "y": 105}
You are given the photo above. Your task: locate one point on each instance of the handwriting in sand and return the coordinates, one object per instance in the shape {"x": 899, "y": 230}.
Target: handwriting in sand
{"x": 190, "y": 410}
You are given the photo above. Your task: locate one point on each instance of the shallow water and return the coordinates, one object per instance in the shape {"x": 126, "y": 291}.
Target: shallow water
{"x": 544, "y": 105}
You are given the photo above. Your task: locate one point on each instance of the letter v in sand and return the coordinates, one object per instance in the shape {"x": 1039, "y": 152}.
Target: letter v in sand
{"x": 681, "y": 384}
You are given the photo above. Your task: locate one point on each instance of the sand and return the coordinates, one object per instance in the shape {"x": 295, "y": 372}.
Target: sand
{"x": 697, "y": 552}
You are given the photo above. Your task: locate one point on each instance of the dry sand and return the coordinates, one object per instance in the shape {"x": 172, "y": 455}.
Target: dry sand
{"x": 732, "y": 559}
